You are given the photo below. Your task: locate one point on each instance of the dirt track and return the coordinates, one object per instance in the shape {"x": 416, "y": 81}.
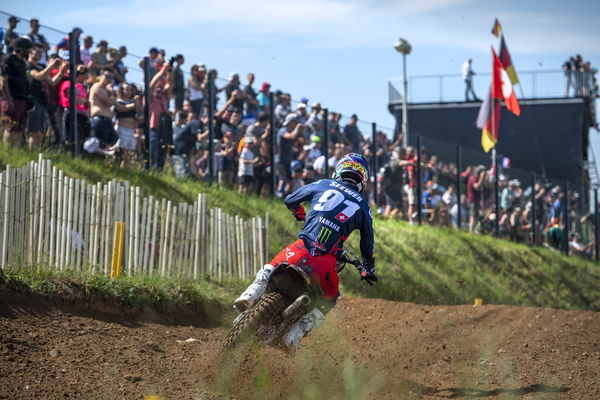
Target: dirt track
{"x": 366, "y": 349}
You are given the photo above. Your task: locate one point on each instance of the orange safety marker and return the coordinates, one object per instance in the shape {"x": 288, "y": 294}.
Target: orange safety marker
{"x": 478, "y": 302}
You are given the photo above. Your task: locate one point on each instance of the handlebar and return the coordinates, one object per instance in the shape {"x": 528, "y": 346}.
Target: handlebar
{"x": 354, "y": 260}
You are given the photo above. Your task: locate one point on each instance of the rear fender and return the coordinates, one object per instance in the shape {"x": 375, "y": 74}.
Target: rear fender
{"x": 291, "y": 280}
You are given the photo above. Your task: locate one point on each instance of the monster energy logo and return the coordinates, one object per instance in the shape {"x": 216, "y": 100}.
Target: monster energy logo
{"x": 324, "y": 235}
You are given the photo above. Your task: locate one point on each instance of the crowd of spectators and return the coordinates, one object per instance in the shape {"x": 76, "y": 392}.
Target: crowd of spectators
{"x": 580, "y": 77}
{"x": 34, "y": 96}
{"x": 517, "y": 202}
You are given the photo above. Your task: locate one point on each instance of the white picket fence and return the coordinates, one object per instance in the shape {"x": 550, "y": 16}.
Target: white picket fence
{"x": 49, "y": 219}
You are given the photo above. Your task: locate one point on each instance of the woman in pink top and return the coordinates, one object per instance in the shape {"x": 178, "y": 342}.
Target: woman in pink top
{"x": 80, "y": 92}
{"x": 83, "y": 108}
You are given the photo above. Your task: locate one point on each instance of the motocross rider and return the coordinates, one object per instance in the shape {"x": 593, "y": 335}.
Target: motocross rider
{"x": 336, "y": 209}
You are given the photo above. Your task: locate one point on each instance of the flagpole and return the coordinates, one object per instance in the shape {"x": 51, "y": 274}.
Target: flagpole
{"x": 496, "y": 194}
{"x": 494, "y": 158}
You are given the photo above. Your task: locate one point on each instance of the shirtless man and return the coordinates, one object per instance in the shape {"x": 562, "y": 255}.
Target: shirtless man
{"x": 101, "y": 102}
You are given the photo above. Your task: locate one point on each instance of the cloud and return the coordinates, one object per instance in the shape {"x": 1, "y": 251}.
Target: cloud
{"x": 460, "y": 24}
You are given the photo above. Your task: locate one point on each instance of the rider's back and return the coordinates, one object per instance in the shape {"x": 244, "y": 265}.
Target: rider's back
{"x": 336, "y": 209}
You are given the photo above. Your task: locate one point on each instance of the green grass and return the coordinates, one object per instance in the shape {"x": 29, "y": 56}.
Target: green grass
{"x": 138, "y": 292}
{"x": 443, "y": 266}
{"x": 423, "y": 265}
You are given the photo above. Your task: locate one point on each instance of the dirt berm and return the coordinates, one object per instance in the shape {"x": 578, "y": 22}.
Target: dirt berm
{"x": 366, "y": 349}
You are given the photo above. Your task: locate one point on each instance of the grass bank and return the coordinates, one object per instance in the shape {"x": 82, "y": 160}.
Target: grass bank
{"x": 133, "y": 293}
{"x": 423, "y": 265}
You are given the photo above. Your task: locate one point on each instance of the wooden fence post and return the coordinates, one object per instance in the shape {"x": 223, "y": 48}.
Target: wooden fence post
{"x": 48, "y": 217}
{"x": 6, "y": 222}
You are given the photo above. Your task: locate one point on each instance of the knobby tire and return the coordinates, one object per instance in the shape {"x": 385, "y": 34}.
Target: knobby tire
{"x": 263, "y": 311}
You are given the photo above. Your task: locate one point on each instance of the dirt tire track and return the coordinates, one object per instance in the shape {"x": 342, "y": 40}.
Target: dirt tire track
{"x": 366, "y": 349}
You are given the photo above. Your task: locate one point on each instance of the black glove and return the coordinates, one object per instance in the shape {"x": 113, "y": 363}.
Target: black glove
{"x": 368, "y": 274}
{"x": 299, "y": 214}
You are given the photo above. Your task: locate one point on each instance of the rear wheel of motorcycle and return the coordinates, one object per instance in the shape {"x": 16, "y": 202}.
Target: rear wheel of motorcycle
{"x": 263, "y": 311}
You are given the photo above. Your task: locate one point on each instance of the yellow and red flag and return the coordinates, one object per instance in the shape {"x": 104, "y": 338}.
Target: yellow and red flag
{"x": 507, "y": 62}
{"x": 488, "y": 120}
{"x": 501, "y": 86}
{"x": 497, "y": 28}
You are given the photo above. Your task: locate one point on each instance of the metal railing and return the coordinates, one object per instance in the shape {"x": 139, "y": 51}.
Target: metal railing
{"x": 451, "y": 87}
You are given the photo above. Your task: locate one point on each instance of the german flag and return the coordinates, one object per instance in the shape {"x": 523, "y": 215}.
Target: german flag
{"x": 488, "y": 120}
{"x": 497, "y": 28}
{"x": 507, "y": 62}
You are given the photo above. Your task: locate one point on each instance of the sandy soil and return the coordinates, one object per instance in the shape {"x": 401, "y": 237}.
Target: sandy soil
{"x": 366, "y": 349}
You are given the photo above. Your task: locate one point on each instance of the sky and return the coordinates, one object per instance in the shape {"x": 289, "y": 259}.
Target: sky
{"x": 339, "y": 53}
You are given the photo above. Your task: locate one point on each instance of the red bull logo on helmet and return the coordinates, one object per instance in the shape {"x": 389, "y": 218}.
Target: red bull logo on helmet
{"x": 352, "y": 165}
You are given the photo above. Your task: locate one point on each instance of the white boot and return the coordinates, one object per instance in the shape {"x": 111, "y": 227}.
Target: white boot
{"x": 305, "y": 324}
{"x": 255, "y": 290}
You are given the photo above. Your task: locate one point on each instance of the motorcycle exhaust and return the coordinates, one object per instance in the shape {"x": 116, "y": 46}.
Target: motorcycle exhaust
{"x": 301, "y": 301}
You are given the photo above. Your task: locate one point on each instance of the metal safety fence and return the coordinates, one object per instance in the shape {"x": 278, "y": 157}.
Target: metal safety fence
{"x": 434, "y": 186}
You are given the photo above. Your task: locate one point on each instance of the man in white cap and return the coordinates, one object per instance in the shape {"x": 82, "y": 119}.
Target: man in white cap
{"x": 246, "y": 165}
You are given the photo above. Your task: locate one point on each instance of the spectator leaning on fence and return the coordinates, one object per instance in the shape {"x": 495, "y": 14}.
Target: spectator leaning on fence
{"x": 301, "y": 113}
{"x": 286, "y": 136}
{"x": 100, "y": 58}
{"x": 130, "y": 107}
{"x": 315, "y": 121}
{"x": 250, "y": 99}
{"x": 263, "y": 97}
{"x": 410, "y": 162}
{"x": 186, "y": 133}
{"x": 282, "y": 109}
{"x": 228, "y": 166}
{"x": 234, "y": 85}
{"x": 228, "y": 117}
{"x": 467, "y": 75}
{"x": 85, "y": 50}
{"x": 15, "y": 71}
{"x": 475, "y": 183}
{"x": 62, "y": 47}
{"x": 392, "y": 187}
{"x": 152, "y": 67}
{"x": 37, "y": 38}
{"x": 197, "y": 88}
{"x": 568, "y": 70}
{"x": 82, "y": 106}
{"x": 260, "y": 129}
{"x": 118, "y": 69}
{"x": 212, "y": 76}
{"x": 352, "y": 134}
{"x": 161, "y": 129}
{"x": 178, "y": 83}
{"x": 101, "y": 103}
{"x": 246, "y": 165}
{"x": 38, "y": 115}
{"x": 10, "y": 36}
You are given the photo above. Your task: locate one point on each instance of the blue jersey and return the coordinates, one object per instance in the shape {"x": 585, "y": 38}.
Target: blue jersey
{"x": 336, "y": 209}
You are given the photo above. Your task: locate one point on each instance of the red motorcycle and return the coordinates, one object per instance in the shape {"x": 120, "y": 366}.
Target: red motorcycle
{"x": 291, "y": 292}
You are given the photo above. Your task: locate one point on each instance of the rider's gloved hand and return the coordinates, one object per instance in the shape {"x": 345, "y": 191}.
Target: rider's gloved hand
{"x": 299, "y": 213}
{"x": 368, "y": 274}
